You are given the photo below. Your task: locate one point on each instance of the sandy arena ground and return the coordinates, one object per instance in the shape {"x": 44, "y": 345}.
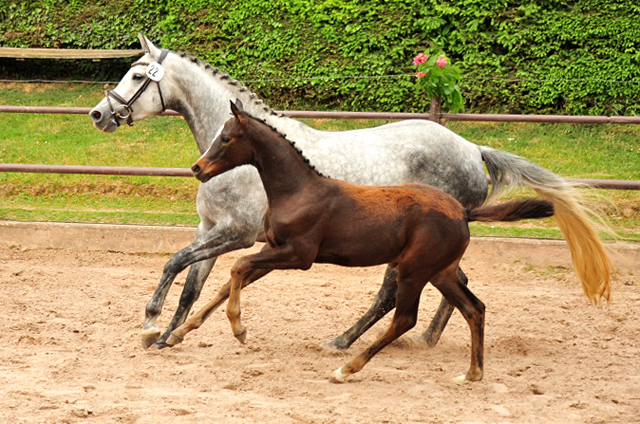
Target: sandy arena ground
{"x": 70, "y": 348}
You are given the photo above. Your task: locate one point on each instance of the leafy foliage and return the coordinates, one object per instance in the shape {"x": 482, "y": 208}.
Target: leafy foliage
{"x": 539, "y": 56}
{"x": 439, "y": 78}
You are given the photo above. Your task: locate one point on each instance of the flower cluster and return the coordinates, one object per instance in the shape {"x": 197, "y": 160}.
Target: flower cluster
{"x": 438, "y": 78}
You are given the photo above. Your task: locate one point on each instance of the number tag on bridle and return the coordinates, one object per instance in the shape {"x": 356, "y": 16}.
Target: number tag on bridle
{"x": 155, "y": 71}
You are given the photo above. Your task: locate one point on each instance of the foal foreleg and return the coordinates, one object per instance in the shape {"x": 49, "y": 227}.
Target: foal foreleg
{"x": 213, "y": 243}
{"x": 249, "y": 268}
{"x": 197, "y": 319}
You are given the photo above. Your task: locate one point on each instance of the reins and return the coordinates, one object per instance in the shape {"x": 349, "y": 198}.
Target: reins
{"x": 126, "y": 105}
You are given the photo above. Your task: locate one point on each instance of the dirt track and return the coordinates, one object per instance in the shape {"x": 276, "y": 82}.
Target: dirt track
{"x": 70, "y": 349}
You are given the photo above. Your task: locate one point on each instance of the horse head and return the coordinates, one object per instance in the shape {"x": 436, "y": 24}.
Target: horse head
{"x": 228, "y": 148}
{"x": 138, "y": 95}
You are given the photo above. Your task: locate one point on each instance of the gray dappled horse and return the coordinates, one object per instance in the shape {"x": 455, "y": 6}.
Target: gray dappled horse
{"x": 231, "y": 206}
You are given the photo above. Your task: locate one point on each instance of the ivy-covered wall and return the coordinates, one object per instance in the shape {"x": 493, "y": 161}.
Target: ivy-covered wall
{"x": 535, "y": 56}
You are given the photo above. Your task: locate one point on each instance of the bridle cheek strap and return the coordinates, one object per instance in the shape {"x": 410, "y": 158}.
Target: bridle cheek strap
{"x": 116, "y": 114}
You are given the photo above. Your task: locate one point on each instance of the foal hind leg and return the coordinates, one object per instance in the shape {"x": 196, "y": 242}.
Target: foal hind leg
{"x": 384, "y": 302}
{"x": 472, "y": 309}
{"x": 440, "y": 319}
{"x": 404, "y": 319}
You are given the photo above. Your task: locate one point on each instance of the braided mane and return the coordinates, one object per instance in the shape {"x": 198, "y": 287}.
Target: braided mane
{"x": 225, "y": 77}
{"x": 293, "y": 144}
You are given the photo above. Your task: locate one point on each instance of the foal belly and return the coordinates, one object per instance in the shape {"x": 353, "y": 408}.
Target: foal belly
{"x": 356, "y": 252}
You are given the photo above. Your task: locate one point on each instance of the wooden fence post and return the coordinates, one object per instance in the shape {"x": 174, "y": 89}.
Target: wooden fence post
{"x": 434, "y": 110}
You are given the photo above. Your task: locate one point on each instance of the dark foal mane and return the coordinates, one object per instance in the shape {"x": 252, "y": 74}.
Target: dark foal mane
{"x": 223, "y": 76}
{"x": 284, "y": 136}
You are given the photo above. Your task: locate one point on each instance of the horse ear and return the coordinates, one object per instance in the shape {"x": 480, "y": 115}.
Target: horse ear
{"x": 236, "y": 108}
{"x": 148, "y": 47}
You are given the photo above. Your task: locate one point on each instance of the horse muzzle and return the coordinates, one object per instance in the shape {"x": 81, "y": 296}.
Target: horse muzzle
{"x": 199, "y": 172}
{"x": 102, "y": 119}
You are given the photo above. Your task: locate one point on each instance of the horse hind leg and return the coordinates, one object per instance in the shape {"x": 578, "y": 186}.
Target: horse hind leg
{"x": 432, "y": 334}
{"x": 404, "y": 319}
{"x": 472, "y": 309}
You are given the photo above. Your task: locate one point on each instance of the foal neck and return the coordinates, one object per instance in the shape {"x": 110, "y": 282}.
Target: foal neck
{"x": 283, "y": 169}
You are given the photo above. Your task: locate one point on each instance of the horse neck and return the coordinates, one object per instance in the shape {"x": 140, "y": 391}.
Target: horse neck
{"x": 283, "y": 170}
{"x": 201, "y": 94}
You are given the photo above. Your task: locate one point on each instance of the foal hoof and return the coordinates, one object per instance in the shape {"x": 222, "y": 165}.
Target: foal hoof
{"x": 171, "y": 341}
{"x": 460, "y": 380}
{"x": 338, "y": 376}
{"x": 242, "y": 337}
{"x": 150, "y": 336}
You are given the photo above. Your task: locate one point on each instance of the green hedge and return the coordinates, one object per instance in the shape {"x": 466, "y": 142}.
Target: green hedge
{"x": 574, "y": 57}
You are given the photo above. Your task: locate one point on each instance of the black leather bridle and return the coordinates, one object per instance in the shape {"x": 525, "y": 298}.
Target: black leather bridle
{"x": 116, "y": 114}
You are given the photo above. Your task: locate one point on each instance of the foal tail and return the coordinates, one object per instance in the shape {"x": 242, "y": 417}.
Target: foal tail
{"x": 590, "y": 257}
{"x": 512, "y": 211}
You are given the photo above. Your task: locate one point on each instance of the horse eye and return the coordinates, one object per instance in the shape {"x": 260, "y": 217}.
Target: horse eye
{"x": 225, "y": 140}
{"x": 137, "y": 77}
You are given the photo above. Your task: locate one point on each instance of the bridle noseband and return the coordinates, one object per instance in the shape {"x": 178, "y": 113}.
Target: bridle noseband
{"x": 126, "y": 105}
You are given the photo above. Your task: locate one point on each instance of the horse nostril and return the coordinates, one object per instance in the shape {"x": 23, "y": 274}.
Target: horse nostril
{"x": 96, "y": 115}
{"x": 195, "y": 168}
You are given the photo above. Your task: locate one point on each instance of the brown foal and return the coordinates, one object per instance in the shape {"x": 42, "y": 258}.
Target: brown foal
{"x": 418, "y": 229}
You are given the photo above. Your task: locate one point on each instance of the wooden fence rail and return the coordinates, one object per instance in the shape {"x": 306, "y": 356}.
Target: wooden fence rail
{"x": 185, "y": 172}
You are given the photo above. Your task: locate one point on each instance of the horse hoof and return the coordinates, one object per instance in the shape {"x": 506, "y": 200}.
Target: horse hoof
{"x": 242, "y": 337}
{"x": 171, "y": 341}
{"x": 430, "y": 339}
{"x": 460, "y": 380}
{"x": 150, "y": 336}
{"x": 160, "y": 344}
{"x": 338, "y": 376}
{"x": 335, "y": 345}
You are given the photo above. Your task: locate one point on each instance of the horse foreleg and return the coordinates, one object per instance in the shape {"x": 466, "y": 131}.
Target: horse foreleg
{"x": 193, "y": 285}
{"x": 218, "y": 240}
{"x": 439, "y": 321}
{"x": 384, "y": 302}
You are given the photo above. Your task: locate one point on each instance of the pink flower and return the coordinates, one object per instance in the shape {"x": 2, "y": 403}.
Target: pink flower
{"x": 420, "y": 59}
{"x": 442, "y": 60}
{"x": 421, "y": 74}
